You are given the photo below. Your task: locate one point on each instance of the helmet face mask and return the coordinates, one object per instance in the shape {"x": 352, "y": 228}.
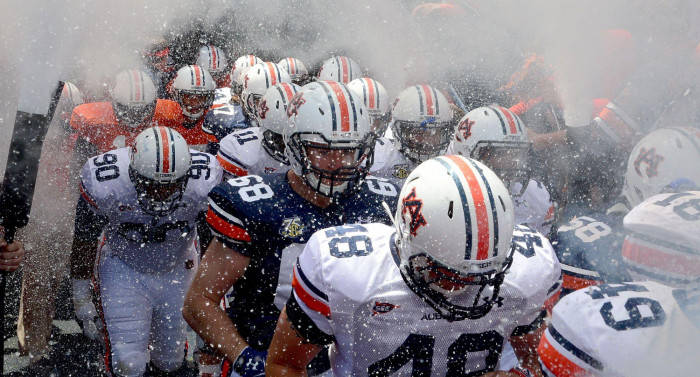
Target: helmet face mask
{"x": 274, "y": 145}
{"x": 133, "y": 115}
{"x": 194, "y": 103}
{"x": 158, "y": 199}
{"x": 194, "y": 90}
{"x": 315, "y": 153}
{"x": 509, "y": 162}
{"x": 422, "y": 140}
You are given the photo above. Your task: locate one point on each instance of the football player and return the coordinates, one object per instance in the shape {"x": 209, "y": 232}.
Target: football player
{"x": 296, "y": 69}
{"x": 193, "y": 89}
{"x": 422, "y": 126}
{"x": 376, "y": 99}
{"x": 647, "y": 327}
{"x": 262, "y": 223}
{"x": 146, "y": 200}
{"x": 239, "y": 67}
{"x": 589, "y": 245}
{"x": 213, "y": 59}
{"x": 438, "y": 293}
{"x": 260, "y": 150}
{"x": 256, "y": 80}
{"x": 498, "y": 138}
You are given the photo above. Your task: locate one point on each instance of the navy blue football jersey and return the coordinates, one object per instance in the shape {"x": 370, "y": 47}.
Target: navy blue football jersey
{"x": 589, "y": 248}
{"x": 264, "y": 219}
{"x": 221, "y": 121}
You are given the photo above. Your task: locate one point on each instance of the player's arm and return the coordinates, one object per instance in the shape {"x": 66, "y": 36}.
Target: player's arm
{"x": 218, "y": 271}
{"x": 289, "y": 352}
{"x": 525, "y": 346}
{"x": 88, "y": 226}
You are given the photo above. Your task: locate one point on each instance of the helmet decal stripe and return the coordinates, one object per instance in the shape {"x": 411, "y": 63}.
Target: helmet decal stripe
{"x": 324, "y": 85}
{"x": 500, "y": 118}
{"x": 437, "y": 103}
{"x": 251, "y": 60}
{"x": 352, "y": 105}
{"x": 420, "y": 100}
{"x": 214, "y": 58}
{"x": 482, "y": 216}
{"x": 429, "y": 106}
{"x": 198, "y": 76}
{"x": 191, "y": 76}
{"x": 292, "y": 66}
{"x": 342, "y": 106}
{"x": 376, "y": 89}
{"x": 273, "y": 77}
{"x": 155, "y": 132}
{"x": 492, "y": 202}
{"x": 511, "y": 121}
{"x": 370, "y": 88}
{"x": 172, "y": 149}
{"x": 286, "y": 92}
{"x": 347, "y": 70}
{"x": 165, "y": 151}
{"x": 465, "y": 203}
{"x": 138, "y": 96}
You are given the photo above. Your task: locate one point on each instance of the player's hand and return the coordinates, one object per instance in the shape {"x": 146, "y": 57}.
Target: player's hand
{"x": 11, "y": 255}
{"x": 250, "y": 363}
{"x": 85, "y": 311}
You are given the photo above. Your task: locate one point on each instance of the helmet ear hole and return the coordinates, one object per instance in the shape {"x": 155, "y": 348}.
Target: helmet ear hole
{"x": 503, "y": 205}
{"x": 320, "y": 110}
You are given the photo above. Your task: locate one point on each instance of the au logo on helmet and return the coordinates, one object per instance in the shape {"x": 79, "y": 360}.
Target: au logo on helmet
{"x": 651, "y": 159}
{"x": 292, "y": 227}
{"x": 295, "y": 103}
{"x": 411, "y": 204}
{"x": 464, "y": 129}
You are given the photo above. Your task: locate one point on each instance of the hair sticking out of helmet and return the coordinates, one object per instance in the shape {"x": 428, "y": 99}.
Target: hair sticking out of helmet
{"x": 339, "y": 68}
{"x": 454, "y": 224}
{"x": 133, "y": 98}
{"x": 660, "y": 159}
{"x": 421, "y": 120}
{"x": 376, "y": 99}
{"x": 194, "y": 90}
{"x": 662, "y": 239}
{"x": 272, "y": 118}
{"x": 159, "y": 167}
{"x": 329, "y": 143}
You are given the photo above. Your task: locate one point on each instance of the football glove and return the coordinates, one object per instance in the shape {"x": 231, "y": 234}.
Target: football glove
{"x": 85, "y": 311}
{"x": 250, "y": 363}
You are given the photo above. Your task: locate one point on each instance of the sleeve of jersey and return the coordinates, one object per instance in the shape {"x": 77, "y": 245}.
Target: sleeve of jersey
{"x": 574, "y": 274}
{"x": 308, "y": 308}
{"x": 561, "y": 351}
{"x": 225, "y": 221}
{"x": 228, "y": 160}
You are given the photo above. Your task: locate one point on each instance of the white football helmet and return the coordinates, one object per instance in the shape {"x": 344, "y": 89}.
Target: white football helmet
{"x": 664, "y": 160}
{"x": 159, "y": 167}
{"x": 256, "y": 80}
{"x": 193, "y": 89}
{"x": 133, "y": 97}
{"x": 421, "y": 121}
{"x": 489, "y": 132}
{"x": 70, "y": 98}
{"x": 339, "y": 68}
{"x": 454, "y": 223}
{"x": 663, "y": 242}
{"x": 272, "y": 118}
{"x": 376, "y": 100}
{"x": 239, "y": 66}
{"x": 295, "y": 67}
{"x": 327, "y": 115}
{"x": 213, "y": 59}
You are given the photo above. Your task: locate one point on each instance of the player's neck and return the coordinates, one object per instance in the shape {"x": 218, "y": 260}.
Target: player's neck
{"x": 305, "y": 191}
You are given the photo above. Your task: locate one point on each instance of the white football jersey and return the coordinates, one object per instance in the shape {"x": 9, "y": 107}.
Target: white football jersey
{"x": 389, "y": 162}
{"x": 222, "y": 96}
{"x": 242, "y": 153}
{"x": 629, "y": 329}
{"x": 534, "y": 207}
{"x": 145, "y": 242}
{"x": 348, "y": 283}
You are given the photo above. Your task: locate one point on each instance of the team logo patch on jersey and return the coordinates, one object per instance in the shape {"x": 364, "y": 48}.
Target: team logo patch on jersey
{"x": 383, "y": 308}
{"x": 292, "y": 227}
{"x": 414, "y": 206}
{"x": 400, "y": 171}
{"x": 649, "y": 158}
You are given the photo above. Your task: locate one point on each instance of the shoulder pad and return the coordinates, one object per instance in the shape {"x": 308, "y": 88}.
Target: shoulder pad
{"x": 221, "y": 120}
{"x": 535, "y": 270}
{"x": 105, "y": 177}
{"x": 205, "y": 173}
{"x": 240, "y": 150}
{"x": 88, "y": 115}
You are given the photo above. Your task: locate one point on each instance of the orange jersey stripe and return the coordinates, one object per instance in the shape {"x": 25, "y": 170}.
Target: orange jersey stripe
{"x": 87, "y": 197}
{"x": 679, "y": 264}
{"x": 309, "y": 300}
{"x": 574, "y": 282}
{"x": 482, "y": 217}
{"x": 226, "y": 228}
{"x": 556, "y": 362}
{"x": 230, "y": 167}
